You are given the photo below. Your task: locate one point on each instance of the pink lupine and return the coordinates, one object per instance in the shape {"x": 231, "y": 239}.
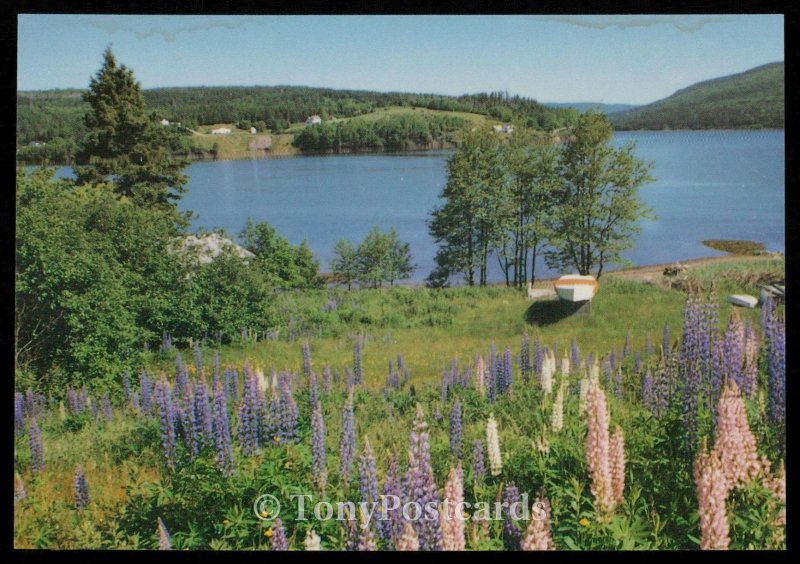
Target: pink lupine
{"x": 712, "y": 491}
{"x": 453, "y": 512}
{"x": 408, "y": 540}
{"x": 616, "y": 456}
{"x": 735, "y": 444}
{"x": 597, "y": 448}
{"x": 538, "y": 535}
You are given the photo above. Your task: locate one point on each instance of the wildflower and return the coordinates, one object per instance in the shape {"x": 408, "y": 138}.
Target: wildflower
{"x": 278, "y": 540}
{"x": 548, "y": 370}
{"x": 166, "y": 412}
{"x": 394, "y": 516}
{"x": 366, "y": 534}
{"x": 565, "y": 364}
{"x": 408, "y": 541}
{"x": 478, "y": 468}
{"x": 525, "y": 358}
{"x": 358, "y": 372}
{"x": 203, "y": 422}
{"x": 575, "y": 354}
{"x": 712, "y": 491}
{"x": 368, "y": 478}
{"x": 347, "y": 440}
{"x": 288, "y": 422}
{"x": 538, "y": 535}
{"x": 616, "y": 455}
{"x": 598, "y": 449}
{"x": 164, "y": 541}
{"x": 511, "y": 532}
{"x": 306, "y": 359}
{"x": 557, "y": 417}
{"x": 37, "y": 450}
{"x": 455, "y": 428}
{"x": 222, "y": 434}
{"x": 452, "y": 524}
{"x": 319, "y": 471}
{"x": 248, "y": 416}
{"x": 312, "y": 541}
{"x": 480, "y": 374}
{"x": 584, "y": 522}
{"x": 735, "y": 445}
{"x": 81, "y": 488}
{"x": 421, "y": 484}
{"x": 493, "y": 444}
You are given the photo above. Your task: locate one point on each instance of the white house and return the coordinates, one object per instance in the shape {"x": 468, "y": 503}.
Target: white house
{"x": 314, "y": 120}
{"x": 221, "y": 131}
{"x": 164, "y": 121}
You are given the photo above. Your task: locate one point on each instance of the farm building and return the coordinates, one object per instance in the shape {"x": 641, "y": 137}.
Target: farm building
{"x": 313, "y": 120}
{"x": 221, "y": 131}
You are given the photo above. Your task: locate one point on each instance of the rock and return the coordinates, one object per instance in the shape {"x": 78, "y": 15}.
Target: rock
{"x": 208, "y": 247}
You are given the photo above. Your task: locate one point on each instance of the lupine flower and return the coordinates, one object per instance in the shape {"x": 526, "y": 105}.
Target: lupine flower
{"x": 491, "y": 374}
{"x": 511, "y": 532}
{"x": 349, "y": 378}
{"x": 306, "y": 359}
{"x": 222, "y": 434}
{"x": 480, "y": 374}
{"x": 735, "y": 445}
{"x": 366, "y": 534}
{"x": 452, "y": 514}
{"x": 598, "y": 450}
{"x": 30, "y": 403}
{"x": 478, "y": 467}
{"x": 712, "y": 492}
{"x": 626, "y": 347}
{"x": 445, "y": 381}
{"x": 278, "y": 541}
{"x": 289, "y": 413}
{"x": 637, "y": 362}
{"x": 164, "y": 540}
{"x": 538, "y": 535}
{"x": 249, "y": 414}
{"x": 312, "y": 541}
{"x": 81, "y": 488}
{"x": 19, "y": 488}
{"x": 493, "y": 444}
{"x": 72, "y": 402}
{"x": 408, "y": 540}
{"x": 19, "y": 412}
{"x": 575, "y": 353}
{"x": 421, "y": 484}
{"x": 547, "y": 373}
{"x": 616, "y": 456}
{"x": 508, "y": 374}
{"x": 319, "y": 470}
{"x": 93, "y": 407}
{"x": 538, "y": 356}
{"x": 166, "y": 411}
{"x": 189, "y": 421}
{"x": 106, "y": 403}
{"x": 565, "y": 364}
{"x": 347, "y": 440}
{"x": 455, "y": 429}
{"x": 557, "y": 417}
{"x": 648, "y": 395}
{"x": 358, "y": 372}
{"x": 326, "y": 379}
{"x": 776, "y": 368}
{"x": 750, "y": 366}
{"x": 525, "y": 358}
{"x": 394, "y": 516}
{"x": 368, "y": 484}
{"x": 583, "y": 391}
{"x": 203, "y": 423}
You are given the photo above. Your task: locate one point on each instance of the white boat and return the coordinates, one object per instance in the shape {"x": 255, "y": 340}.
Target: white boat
{"x": 576, "y": 288}
{"x": 743, "y": 300}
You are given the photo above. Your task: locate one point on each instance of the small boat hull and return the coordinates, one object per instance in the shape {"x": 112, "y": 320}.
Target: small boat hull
{"x": 743, "y": 300}
{"x": 576, "y": 288}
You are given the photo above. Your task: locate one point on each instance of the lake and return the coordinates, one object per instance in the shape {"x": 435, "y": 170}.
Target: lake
{"x": 709, "y": 185}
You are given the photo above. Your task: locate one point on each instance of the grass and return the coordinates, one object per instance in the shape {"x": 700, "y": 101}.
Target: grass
{"x": 735, "y": 246}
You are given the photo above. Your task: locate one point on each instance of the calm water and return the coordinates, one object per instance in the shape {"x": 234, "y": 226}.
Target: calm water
{"x": 709, "y": 185}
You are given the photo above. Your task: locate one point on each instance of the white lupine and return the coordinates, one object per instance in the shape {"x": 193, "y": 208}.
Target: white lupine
{"x": 565, "y": 364}
{"x": 273, "y": 382}
{"x": 541, "y": 442}
{"x": 312, "y": 541}
{"x": 493, "y": 445}
{"x": 594, "y": 372}
{"x": 583, "y": 391}
{"x": 262, "y": 382}
{"x": 548, "y": 369}
{"x": 480, "y": 371}
{"x": 557, "y": 418}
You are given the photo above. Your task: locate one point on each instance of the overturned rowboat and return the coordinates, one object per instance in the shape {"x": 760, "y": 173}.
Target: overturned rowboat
{"x": 576, "y": 287}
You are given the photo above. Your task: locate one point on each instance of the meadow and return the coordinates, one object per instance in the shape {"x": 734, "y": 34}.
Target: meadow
{"x": 471, "y": 394}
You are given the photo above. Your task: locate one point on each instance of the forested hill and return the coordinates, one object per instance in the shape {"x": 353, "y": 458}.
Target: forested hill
{"x": 44, "y": 116}
{"x": 753, "y": 99}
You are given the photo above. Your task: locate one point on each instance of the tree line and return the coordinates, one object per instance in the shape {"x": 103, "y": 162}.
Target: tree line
{"x": 576, "y": 204}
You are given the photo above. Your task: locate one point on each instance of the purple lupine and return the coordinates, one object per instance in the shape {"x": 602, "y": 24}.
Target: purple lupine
{"x": 215, "y": 372}
{"x": 401, "y": 368}
{"x": 733, "y": 349}
{"x": 318, "y": 468}
{"x": 776, "y": 369}
{"x": 166, "y": 342}
{"x": 37, "y": 447}
{"x": 525, "y": 358}
{"x": 422, "y": 486}
{"x": 665, "y": 346}
{"x": 368, "y": 487}
{"x": 273, "y": 420}
{"x": 30, "y": 403}
{"x": 72, "y": 401}
{"x": 508, "y": 370}
{"x": 455, "y": 429}
{"x": 392, "y": 379}
{"x": 126, "y": 385}
{"x": 19, "y": 413}
{"x": 306, "y": 359}
{"x": 347, "y": 440}
{"x": 393, "y": 491}
{"x": 478, "y": 467}
{"x": 626, "y": 347}
{"x": 105, "y": 402}
{"x": 166, "y": 411}
{"x": 278, "y": 541}
{"x": 181, "y": 376}
{"x": 690, "y": 370}
{"x": 204, "y": 422}
{"x": 612, "y": 360}
{"x": 511, "y": 531}
{"x": 453, "y": 373}
{"x": 358, "y": 369}
{"x": 538, "y": 356}
{"x": 248, "y": 414}
{"x": 145, "y": 393}
{"x": 81, "y": 488}
{"x": 232, "y": 384}
{"x": 648, "y": 392}
{"x": 288, "y": 423}
{"x": 349, "y": 379}
{"x": 575, "y": 354}
{"x": 94, "y": 409}
{"x": 445, "y": 381}
{"x": 326, "y": 379}
{"x": 490, "y": 381}
{"x": 637, "y": 362}
{"x": 222, "y": 433}
{"x": 164, "y": 540}
{"x": 313, "y": 390}
{"x": 750, "y": 368}
{"x": 189, "y": 421}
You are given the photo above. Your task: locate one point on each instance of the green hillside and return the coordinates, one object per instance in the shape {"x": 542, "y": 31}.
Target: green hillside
{"x": 750, "y": 100}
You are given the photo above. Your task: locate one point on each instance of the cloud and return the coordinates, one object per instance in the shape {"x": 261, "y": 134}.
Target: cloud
{"x": 170, "y": 35}
{"x": 689, "y": 24}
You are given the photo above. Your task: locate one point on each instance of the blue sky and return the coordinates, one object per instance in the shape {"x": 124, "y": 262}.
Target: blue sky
{"x": 613, "y": 59}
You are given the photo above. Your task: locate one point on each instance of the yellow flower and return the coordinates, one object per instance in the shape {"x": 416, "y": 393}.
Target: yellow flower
{"x": 268, "y": 533}
{"x": 584, "y": 522}
{"x": 225, "y": 522}
{"x": 264, "y": 514}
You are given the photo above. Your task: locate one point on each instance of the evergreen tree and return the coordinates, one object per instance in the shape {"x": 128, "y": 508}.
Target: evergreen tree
{"x": 125, "y": 145}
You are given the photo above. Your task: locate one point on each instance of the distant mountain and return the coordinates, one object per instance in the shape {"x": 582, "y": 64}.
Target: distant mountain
{"x": 583, "y": 107}
{"x": 753, "y": 99}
